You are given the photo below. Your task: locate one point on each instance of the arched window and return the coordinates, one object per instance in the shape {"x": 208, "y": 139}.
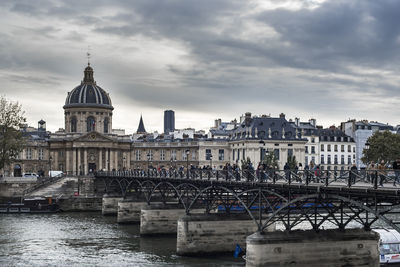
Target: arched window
{"x": 73, "y": 125}
{"x": 106, "y": 125}
{"x": 91, "y": 123}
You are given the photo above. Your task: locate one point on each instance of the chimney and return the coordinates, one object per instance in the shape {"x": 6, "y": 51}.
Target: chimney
{"x": 247, "y": 118}
{"x": 297, "y": 121}
{"x": 282, "y": 115}
{"x": 313, "y": 122}
{"x": 217, "y": 123}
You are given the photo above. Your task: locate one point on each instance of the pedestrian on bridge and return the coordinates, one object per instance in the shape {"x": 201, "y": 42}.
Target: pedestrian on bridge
{"x": 396, "y": 169}
{"x": 382, "y": 172}
{"x": 371, "y": 173}
{"x": 286, "y": 169}
{"x": 353, "y": 174}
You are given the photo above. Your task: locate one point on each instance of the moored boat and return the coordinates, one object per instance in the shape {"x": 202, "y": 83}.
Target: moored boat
{"x": 31, "y": 205}
{"x": 389, "y": 247}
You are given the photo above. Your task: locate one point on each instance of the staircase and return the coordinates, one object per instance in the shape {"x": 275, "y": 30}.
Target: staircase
{"x": 65, "y": 187}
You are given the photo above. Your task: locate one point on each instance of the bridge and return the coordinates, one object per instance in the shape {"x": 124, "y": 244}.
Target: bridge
{"x": 315, "y": 200}
{"x": 274, "y": 195}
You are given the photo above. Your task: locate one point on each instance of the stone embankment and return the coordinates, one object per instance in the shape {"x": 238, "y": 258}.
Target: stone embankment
{"x": 15, "y": 187}
{"x": 71, "y": 193}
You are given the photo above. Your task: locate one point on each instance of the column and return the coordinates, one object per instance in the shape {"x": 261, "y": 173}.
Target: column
{"x": 111, "y": 153}
{"x": 67, "y": 167}
{"x": 116, "y": 159}
{"x": 107, "y": 159}
{"x": 74, "y": 161}
{"x": 128, "y": 160}
{"x": 79, "y": 168}
{"x": 55, "y": 160}
{"x": 85, "y": 161}
{"x": 100, "y": 159}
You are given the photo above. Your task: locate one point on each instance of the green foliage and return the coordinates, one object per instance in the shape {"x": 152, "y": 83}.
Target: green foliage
{"x": 292, "y": 162}
{"x": 382, "y": 146}
{"x": 245, "y": 163}
{"x": 270, "y": 160}
{"x": 11, "y": 139}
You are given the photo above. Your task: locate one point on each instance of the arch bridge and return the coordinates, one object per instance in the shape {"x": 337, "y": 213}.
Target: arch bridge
{"x": 303, "y": 199}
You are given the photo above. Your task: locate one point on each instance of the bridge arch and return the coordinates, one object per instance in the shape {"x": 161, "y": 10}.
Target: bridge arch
{"x": 257, "y": 196}
{"x": 282, "y": 214}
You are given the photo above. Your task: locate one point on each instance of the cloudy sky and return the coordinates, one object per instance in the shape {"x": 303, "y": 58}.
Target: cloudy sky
{"x": 208, "y": 59}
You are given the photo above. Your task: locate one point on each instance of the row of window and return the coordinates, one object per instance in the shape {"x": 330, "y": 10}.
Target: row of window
{"x": 150, "y": 155}
{"x": 29, "y": 154}
{"x": 329, "y": 159}
{"x": 335, "y": 138}
{"x": 329, "y": 148}
{"x": 221, "y": 154}
{"x": 335, "y": 148}
{"x": 335, "y": 159}
{"x": 90, "y": 124}
{"x": 240, "y": 154}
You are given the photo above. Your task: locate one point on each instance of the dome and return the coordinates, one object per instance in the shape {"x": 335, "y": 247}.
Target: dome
{"x": 88, "y": 94}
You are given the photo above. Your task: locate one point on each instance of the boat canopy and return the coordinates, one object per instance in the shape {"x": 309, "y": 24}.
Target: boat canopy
{"x": 388, "y": 236}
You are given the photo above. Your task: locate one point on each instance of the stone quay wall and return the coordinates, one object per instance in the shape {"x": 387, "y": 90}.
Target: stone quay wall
{"x": 213, "y": 233}
{"x": 333, "y": 248}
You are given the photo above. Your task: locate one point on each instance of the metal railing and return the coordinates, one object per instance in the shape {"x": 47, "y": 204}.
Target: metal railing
{"x": 370, "y": 178}
{"x": 42, "y": 182}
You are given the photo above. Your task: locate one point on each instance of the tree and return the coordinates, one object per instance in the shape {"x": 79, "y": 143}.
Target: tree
{"x": 292, "y": 162}
{"x": 11, "y": 138}
{"x": 382, "y": 146}
{"x": 270, "y": 160}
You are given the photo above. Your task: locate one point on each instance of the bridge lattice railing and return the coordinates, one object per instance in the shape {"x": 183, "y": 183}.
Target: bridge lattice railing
{"x": 349, "y": 178}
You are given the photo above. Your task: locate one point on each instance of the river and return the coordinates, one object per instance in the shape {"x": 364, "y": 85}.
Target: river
{"x": 88, "y": 239}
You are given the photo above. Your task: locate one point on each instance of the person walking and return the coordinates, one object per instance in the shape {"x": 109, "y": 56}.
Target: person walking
{"x": 371, "y": 172}
{"x": 317, "y": 173}
{"x": 396, "y": 169}
{"x": 353, "y": 174}
{"x": 286, "y": 169}
{"x": 382, "y": 172}
{"x": 300, "y": 172}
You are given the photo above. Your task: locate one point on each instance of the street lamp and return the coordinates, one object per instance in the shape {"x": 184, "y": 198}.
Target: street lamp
{"x": 50, "y": 158}
{"x": 148, "y": 160}
{"x": 211, "y": 161}
{"x": 124, "y": 162}
{"x": 187, "y": 163}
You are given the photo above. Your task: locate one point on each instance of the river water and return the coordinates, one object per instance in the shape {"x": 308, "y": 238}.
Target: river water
{"x": 88, "y": 239}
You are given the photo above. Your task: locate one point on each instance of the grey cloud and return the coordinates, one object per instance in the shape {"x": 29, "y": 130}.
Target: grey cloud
{"x": 226, "y": 71}
{"x": 339, "y": 32}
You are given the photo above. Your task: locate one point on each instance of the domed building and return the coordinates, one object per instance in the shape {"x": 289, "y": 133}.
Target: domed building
{"x": 88, "y": 107}
{"x": 87, "y": 144}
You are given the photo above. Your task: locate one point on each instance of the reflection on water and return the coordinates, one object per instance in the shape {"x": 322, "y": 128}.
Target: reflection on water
{"x": 87, "y": 239}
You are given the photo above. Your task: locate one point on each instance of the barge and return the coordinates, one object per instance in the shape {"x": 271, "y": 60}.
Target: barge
{"x": 31, "y": 205}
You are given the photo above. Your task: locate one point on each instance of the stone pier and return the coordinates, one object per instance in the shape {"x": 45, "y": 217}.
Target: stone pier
{"x": 110, "y": 204}
{"x": 129, "y": 210}
{"x": 353, "y": 247}
{"x": 213, "y": 233}
{"x": 161, "y": 219}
